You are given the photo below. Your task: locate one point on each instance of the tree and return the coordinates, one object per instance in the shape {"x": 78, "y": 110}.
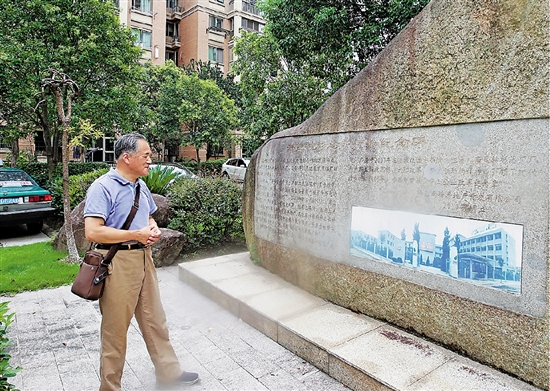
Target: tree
{"x": 53, "y": 53}
{"x": 206, "y": 113}
{"x": 161, "y": 129}
{"x": 188, "y": 110}
{"x": 209, "y": 71}
{"x": 275, "y": 94}
{"x": 416, "y": 236}
{"x": 81, "y": 39}
{"x": 446, "y": 250}
{"x": 457, "y": 245}
{"x": 335, "y": 39}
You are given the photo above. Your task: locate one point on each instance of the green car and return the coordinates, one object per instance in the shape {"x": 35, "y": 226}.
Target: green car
{"x": 22, "y": 201}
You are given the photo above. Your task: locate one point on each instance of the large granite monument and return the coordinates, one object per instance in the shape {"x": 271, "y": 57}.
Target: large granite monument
{"x": 419, "y": 192}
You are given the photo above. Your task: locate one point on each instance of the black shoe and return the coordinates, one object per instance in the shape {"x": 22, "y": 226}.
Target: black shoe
{"x": 184, "y": 378}
{"x": 188, "y": 378}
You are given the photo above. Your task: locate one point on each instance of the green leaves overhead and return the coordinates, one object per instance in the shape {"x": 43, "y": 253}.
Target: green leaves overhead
{"x": 308, "y": 50}
{"x": 81, "y": 38}
{"x": 335, "y": 39}
{"x": 275, "y": 93}
{"x": 187, "y": 110}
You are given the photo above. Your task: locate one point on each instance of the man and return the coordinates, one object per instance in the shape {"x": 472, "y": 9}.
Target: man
{"x": 132, "y": 286}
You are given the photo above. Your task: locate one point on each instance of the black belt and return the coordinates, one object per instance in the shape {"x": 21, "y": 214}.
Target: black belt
{"x": 135, "y": 246}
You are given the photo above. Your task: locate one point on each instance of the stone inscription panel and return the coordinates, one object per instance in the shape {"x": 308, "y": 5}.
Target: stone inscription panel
{"x": 307, "y": 186}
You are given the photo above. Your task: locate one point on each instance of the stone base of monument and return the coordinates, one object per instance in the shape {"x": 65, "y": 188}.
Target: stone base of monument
{"x": 359, "y": 351}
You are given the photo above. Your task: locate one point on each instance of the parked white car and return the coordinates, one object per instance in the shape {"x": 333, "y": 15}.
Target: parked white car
{"x": 235, "y": 168}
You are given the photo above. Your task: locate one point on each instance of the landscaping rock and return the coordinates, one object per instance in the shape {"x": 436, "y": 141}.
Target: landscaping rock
{"x": 163, "y": 212}
{"x": 167, "y": 249}
{"x": 77, "y": 221}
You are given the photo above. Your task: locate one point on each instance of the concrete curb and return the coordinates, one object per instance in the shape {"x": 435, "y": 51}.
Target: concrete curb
{"x": 361, "y": 352}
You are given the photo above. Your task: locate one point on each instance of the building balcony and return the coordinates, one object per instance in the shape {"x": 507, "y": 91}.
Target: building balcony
{"x": 251, "y": 9}
{"x": 173, "y": 42}
{"x": 217, "y": 30}
{"x": 175, "y": 13}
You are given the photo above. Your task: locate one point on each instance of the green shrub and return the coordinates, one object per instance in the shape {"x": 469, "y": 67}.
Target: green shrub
{"x": 208, "y": 211}
{"x": 159, "y": 178}
{"x": 6, "y": 370}
{"x": 78, "y": 185}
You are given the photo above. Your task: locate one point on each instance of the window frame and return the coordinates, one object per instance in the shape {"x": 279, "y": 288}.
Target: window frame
{"x": 218, "y": 50}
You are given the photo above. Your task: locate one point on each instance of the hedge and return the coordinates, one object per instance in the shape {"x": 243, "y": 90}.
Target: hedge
{"x": 207, "y": 211}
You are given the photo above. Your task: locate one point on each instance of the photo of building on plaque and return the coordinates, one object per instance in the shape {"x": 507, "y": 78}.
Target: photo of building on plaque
{"x": 474, "y": 251}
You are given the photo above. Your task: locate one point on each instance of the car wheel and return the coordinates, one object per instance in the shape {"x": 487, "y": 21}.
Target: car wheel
{"x": 34, "y": 228}
{"x": 225, "y": 175}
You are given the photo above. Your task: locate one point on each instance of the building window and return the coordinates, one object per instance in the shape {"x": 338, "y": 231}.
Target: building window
{"x": 252, "y": 25}
{"x": 172, "y": 29}
{"x": 215, "y": 22}
{"x": 143, "y": 38}
{"x": 173, "y": 56}
{"x": 4, "y": 144}
{"x": 250, "y": 7}
{"x": 143, "y": 6}
{"x": 215, "y": 54}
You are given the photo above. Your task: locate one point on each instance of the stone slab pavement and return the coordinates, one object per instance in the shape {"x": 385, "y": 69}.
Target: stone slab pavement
{"x": 56, "y": 342}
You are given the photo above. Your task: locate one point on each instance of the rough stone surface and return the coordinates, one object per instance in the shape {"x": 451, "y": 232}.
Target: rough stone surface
{"x": 167, "y": 249}
{"x": 456, "y": 62}
{"x": 162, "y": 214}
{"x": 451, "y": 119}
{"x": 77, "y": 221}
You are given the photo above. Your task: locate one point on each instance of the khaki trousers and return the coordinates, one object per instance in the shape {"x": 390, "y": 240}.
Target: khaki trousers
{"x": 132, "y": 289}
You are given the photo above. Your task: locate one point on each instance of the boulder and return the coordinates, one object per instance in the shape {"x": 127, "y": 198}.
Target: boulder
{"x": 77, "y": 220}
{"x": 167, "y": 249}
{"x": 162, "y": 214}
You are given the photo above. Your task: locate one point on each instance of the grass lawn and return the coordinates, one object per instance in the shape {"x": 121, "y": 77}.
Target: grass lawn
{"x": 33, "y": 267}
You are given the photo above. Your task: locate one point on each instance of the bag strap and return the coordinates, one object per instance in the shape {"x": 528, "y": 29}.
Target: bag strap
{"x": 114, "y": 248}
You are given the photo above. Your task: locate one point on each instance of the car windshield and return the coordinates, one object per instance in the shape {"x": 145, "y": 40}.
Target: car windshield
{"x": 15, "y": 179}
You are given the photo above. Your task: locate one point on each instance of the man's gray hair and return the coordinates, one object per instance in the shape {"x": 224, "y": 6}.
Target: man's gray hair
{"x": 128, "y": 144}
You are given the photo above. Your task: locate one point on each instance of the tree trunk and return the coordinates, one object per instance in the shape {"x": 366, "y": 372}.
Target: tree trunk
{"x": 198, "y": 161}
{"x": 71, "y": 243}
{"x": 65, "y": 119}
{"x": 14, "y": 152}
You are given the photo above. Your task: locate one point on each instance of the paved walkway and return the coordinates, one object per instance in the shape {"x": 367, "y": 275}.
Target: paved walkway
{"x": 56, "y": 341}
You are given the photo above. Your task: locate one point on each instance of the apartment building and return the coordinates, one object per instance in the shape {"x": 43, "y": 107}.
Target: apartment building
{"x": 205, "y": 29}
{"x": 147, "y": 19}
{"x": 182, "y": 30}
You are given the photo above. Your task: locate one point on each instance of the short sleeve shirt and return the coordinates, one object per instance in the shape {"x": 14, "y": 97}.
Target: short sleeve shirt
{"x": 111, "y": 197}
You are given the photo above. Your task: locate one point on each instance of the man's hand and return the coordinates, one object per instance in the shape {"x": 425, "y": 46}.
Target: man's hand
{"x": 155, "y": 234}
